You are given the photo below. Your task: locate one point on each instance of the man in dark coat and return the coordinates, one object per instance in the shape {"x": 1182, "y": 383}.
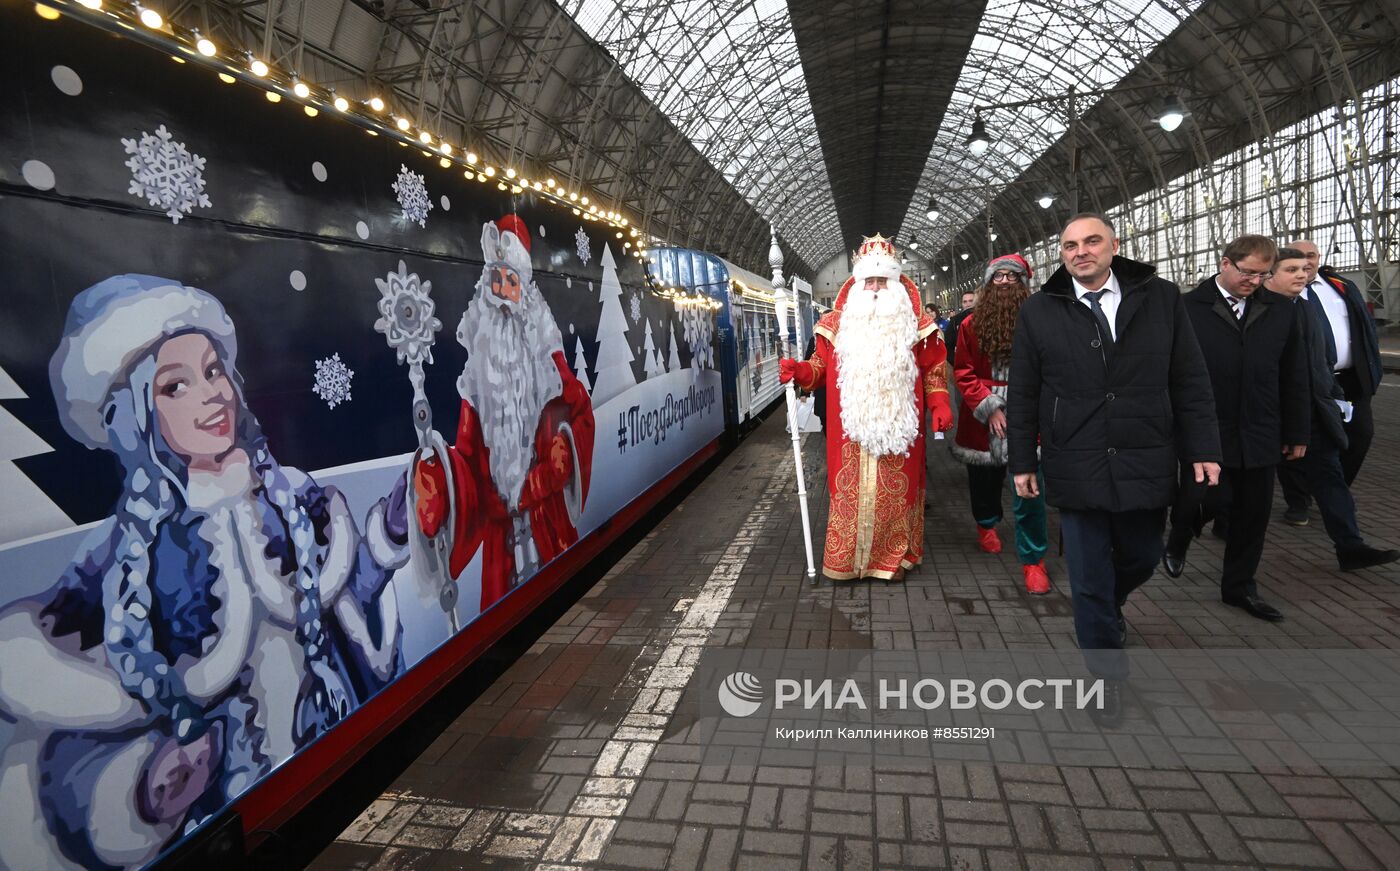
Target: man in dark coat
{"x": 1354, "y": 350}
{"x": 1253, "y": 345}
{"x": 1320, "y": 471}
{"x": 1107, "y": 378}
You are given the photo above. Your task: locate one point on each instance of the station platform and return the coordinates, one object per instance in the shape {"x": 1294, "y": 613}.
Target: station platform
{"x": 577, "y": 757}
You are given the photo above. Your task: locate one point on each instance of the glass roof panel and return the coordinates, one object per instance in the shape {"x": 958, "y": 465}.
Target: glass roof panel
{"x": 1028, "y": 50}
{"x": 728, "y": 75}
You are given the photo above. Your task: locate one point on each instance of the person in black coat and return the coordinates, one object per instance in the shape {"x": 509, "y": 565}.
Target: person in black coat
{"x": 1354, "y": 350}
{"x": 1320, "y": 470}
{"x": 1253, "y": 346}
{"x": 1108, "y": 381}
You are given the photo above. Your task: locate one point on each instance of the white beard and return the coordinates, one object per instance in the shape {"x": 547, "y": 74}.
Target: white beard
{"x": 876, "y": 371}
{"x": 508, "y": 378}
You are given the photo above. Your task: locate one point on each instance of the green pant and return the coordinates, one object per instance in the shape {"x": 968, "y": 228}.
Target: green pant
{"x": 984, "y": 485}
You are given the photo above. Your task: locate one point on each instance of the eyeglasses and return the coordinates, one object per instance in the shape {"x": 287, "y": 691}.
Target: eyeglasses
{"x": 1003, "y": 276}
{"x": 1244, "y": 273}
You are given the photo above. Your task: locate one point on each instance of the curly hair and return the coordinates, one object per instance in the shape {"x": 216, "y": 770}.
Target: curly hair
{"x": 995, "y": 316}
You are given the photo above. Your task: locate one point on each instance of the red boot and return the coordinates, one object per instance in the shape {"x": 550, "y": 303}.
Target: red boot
{"x": 1037, "y": 581}
{"x": 988, "y": 540}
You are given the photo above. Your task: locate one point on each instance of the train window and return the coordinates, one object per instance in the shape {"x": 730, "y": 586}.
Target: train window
{"x": 684, "y": 277}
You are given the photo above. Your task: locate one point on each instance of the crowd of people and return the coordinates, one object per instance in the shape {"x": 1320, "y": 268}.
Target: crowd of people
{"x": 1111, "y": 396}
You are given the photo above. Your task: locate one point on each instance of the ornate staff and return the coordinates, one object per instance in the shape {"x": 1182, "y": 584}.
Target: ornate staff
{"x": 775, "y": 260}
{"x": 406, "y": 320}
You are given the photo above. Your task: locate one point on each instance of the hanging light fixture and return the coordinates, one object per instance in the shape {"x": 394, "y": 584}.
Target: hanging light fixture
{"x": 1046, "y": 200}
{"x": 993, "y": 235}
{"x": 913, "y": 244}
{"x": 978, "y": 142}
{"x": 1173, "y": 113}
{"x": 964, "y": 255}
{"x": 932, "y": 212}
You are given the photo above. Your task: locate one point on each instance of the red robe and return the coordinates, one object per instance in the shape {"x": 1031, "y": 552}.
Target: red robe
{"x": 875, "y": 524}
{"x": 983, "y": 388}
{"x": 480, "y": 517}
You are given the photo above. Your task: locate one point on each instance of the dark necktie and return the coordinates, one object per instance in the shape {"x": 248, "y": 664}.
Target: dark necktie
{"x": 1236, "y": 306}
{"x": 1321, "y": 311}
{"x": 1105, "y": 331}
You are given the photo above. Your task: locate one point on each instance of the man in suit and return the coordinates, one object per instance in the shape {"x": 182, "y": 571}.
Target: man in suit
{"x": 1320, "y": 470}
{"x": 1253, "y": 346}
{"x": 1108, "y": 381}
{"x": 1354, "y": 352}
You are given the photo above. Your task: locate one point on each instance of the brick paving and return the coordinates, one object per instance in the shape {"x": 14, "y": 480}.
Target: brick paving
{"x": 571, "y": 758}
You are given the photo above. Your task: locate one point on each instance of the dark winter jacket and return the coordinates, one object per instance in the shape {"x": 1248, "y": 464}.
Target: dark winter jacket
{"x": 1110, "y": 421}
{"x": 950, "y": 336}
{"x": 1326, "y": 415}
{"x": 1258, "y": 372}
{"x": 1365, "y": 347}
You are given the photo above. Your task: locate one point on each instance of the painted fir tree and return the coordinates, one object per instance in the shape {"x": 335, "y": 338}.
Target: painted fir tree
{"x": 653, "y": 358}
{"x": 26, "y": 510}
{"x": 674, "y": 361}
{"x": 612, "y": 370}
{"x": 581, "y": 365}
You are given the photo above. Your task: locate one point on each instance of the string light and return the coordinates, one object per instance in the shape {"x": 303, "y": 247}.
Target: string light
{"x": 549, "y": 183}
{"x": 376, "y": 104}
{"x": 424, "y": 137}
{"x": 258, "y": 68}
{"x": 401, "y": 123}
{"x": 445, "y": 163}
{"x": 510, "y": 173}
{"x": 300, "y": 89}
{"x": 151, "y": 18}
{"x": 204, "y": 44}
{"x": 471, "y": 157}
{"x": 490, "y": 172}
{"x": 342, "y": 104}
{"x": 445, "y": 148}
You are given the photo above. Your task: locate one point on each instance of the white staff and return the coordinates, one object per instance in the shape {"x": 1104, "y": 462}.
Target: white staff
{"x": 775, "y": 260}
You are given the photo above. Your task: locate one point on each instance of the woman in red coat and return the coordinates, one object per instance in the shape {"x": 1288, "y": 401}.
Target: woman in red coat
{"x": 983, "y": 360}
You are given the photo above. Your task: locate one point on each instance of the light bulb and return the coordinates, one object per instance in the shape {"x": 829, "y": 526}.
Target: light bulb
{"x": 490, "y": 172}
{"x": 444, "y": 163}
{"x": 424, "y": 137}
{"x": 510, "y": 172}
{"x": 376, "y": 104}
{"x": 549, "y": 182}
{"x": 204, "y": 44}
{"x": 300, "y": 89}
{"x": 573, "y": 196}
{"x": 401, "y": 123}
{"x": 1046, "y": 201}
{"x": 91, "y": 4}
{"x": 584, "y": 201}
{"x": 152, "y": 19}
{"x": 994, "y": 237}
{"x": 342, "y": 104}
{"x": 445, "y": 148}
{"x": 964, "y": 255}
{"x": 258, "y": 68}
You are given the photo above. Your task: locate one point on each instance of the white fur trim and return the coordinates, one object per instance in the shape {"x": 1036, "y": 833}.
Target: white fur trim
{"x": 876, "y": 266}
{"x": 984, "y": 409}
{"x": 969, "y": 456}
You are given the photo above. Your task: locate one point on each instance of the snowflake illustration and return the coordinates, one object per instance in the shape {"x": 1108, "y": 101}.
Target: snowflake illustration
{"x": 406, "y": 315}
{"x": 413, "y": 196}
{"x": 585, "y": 253}
{"x": 333, "y": 380}
{"x": 166, "y": 173}
{"x": 698, "y": 331}
{"x": 636, "y": 303}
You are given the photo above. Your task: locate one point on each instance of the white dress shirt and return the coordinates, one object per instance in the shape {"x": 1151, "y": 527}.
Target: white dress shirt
{"x": 1108, "y": 301}
{"x": 1338, "y": 318}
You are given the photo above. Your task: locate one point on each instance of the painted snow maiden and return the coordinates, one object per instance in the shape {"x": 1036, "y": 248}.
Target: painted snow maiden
{"x": 523, "y": 455}
{"x": 226, "y": 615}
{"x": 983, "y": 356}
{"x": 882, "y": 361}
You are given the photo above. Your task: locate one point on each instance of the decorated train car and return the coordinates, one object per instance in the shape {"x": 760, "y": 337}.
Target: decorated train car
{"x": 751, "y": 336}
{"x": 296, "y": 419}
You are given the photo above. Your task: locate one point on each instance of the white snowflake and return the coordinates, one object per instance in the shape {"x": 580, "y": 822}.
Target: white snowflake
{"x": 413, "y": 196}
{"x": 166, "y": 173}
{"x": 406, "y": 315}
{"x": 333, "y": 380}
{"x": 636, "y": 303}
{"x": 585, "y": 253}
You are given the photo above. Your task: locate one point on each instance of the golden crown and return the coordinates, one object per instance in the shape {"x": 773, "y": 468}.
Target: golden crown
{"x": 876, "y": 244}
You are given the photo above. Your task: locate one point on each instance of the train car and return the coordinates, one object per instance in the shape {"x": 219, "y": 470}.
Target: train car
{"x": 751, "y": 339}
{"x": 247, "y": 387}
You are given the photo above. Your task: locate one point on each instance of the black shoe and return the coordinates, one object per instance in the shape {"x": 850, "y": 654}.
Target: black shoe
{"x": 1364, "y": 557}
{"x": 1172, "y": 564}
{"x": 1110, "y": 716}
{"x": 1255, "y": 607}
{"x": 1296, "y": 517}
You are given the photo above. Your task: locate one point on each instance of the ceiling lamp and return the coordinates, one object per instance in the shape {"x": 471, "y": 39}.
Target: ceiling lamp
{"x": 932, "y": 212}
{"x": 1173, "y": 113}
{"x": 913, "y": 244}
{"x": 979, "y": 141}
{"x": 964, "y": 255}
{"x": 1046, "y": 200}
{"x": 993, "y": 235}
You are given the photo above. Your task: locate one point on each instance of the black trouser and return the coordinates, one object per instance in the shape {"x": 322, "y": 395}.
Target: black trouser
{"x": 1320, "y": 474}
{"x": 1251, "y": 501}
{"x": 1362, "y": 427}
{"x": 1108, "y": 554}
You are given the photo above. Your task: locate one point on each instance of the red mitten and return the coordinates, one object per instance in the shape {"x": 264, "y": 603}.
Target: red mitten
{"x": 787, "y": 368}
{"x": 430, "y": 496}
{"x": 940, "y": 413}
